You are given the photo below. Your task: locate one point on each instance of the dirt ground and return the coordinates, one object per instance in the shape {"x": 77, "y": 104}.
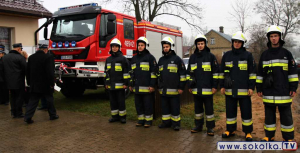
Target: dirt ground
{"x": 258, "y": 117}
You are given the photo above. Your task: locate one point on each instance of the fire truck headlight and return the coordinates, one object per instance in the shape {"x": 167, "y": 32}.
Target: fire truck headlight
{"x": 60, "y": 44}
{"x": 73, "y": 43}
{"x": 66, "y": 44}
{"x": 53, "y": 44}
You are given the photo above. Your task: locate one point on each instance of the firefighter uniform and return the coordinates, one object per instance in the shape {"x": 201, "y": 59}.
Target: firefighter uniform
{"x": 172, "y": 77}
{"x": 116, "y": 68}
{"x": 237, "y": 75}
{"x": 202, "y": 75}
{"x": 277, "y": 77}
{"x": 143, "y": 76}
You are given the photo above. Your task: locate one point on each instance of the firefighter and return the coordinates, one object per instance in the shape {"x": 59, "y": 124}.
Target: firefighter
{"x": 142, "y": 83}
{"x": 203, "y": 74}
{"x": 171, "y": 83}
{"x": 277, "y": 82}
{"x": 116, "y": 80}
{"x": 237, "y": 81}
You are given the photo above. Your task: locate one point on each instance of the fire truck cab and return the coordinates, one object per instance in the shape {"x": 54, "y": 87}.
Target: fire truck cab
{"x": 80, "y": 38}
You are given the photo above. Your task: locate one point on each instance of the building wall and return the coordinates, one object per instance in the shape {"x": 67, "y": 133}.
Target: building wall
{"x": 22, "y": 29}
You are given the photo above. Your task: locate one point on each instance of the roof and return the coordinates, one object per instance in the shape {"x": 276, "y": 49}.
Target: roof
{"x": 226, "y": 36}
{"x": 24, "y": 7}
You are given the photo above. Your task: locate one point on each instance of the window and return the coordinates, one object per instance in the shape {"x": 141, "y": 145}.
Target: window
{"x": 5, "y": 38}
{"x": 104, "y": 25}
{"x": 128, "y": 29}
{"x": 212, "y": 41}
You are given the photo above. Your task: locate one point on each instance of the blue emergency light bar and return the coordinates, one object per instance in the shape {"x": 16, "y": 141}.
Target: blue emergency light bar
{"x": 76, "y": 6}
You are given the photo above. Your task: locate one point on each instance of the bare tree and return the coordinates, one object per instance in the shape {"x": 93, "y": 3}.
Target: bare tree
{"x": 241, "y": 10}
{"x": 258, "y": 42}
{"x": 187, "y": 10}
{"x": 284, "y": 13}
{"x": 188, "y": 40}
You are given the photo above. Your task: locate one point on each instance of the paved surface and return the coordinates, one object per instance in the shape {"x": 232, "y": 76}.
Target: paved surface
{"x": 76, "y": 132}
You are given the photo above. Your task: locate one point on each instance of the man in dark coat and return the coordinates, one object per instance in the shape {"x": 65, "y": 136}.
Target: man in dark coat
{"x": 4, "y": 92}
{"x": 40, "y": 78}
{"x": 14, "y": 73}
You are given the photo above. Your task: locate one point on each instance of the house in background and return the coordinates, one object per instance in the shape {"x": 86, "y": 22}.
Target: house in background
{"x": 218, "y": 42}
{"x": 19, "y": 21}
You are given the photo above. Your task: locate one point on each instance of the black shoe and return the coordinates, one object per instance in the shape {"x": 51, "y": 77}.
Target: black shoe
{"x": 123, "y": 120}
{"x": 248, "y": 137}
{"x": 54, "y": 117}
{"x": 266, "y": 139}
{"x": 228, "y": 134}
{"x": 111, "y": 120}
{"x": 19, "y": 116}
{"x": 42, "y": 108}
{"x": 139, "y": 123}
{"x": 176, "y": 128}
{"x": 163, "y": 125}
{"x": 196, "y": 129}
{"x": 148, "y": 124}
{"x": 210, "y": 132}
{"x": 28, "y": 121}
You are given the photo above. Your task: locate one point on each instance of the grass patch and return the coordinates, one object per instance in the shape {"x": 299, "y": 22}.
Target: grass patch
{"x": 95, "y": 102}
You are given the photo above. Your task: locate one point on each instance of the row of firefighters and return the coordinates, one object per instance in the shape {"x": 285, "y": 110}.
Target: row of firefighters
{"x": 275, "y": 79}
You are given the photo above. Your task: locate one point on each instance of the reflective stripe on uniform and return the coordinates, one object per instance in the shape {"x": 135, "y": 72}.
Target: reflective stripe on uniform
{"x": 199, "y": 116}
{"x": 270, "y": 127}
{"x": 114, "y": 112}
{"x": 259, "y": 79}
{"x": 161, "y": 68}
{"x": 221, "y": 76}
{"x": 118, "y": 67}
{"x": 175, "y": 118}
{"x": 126, "y": 76}
{"x": 172, "y": 92}
{"x": 243, "y": 65}
{"x": 166, "y": 117}
{"x": 108, "y": 65}
{"x": 277, "y": 99}
{"x": 122, "y": 113}
{"x": 276, "y": 63}
{"x": 133, "y": 66}
{"x": 242, "y": 92}
{"x": 193, "y": 66}
{"x": 210, "y": 117}
{"x": 206, "y": 92}
{"x": 144, "y": 66}
{"x": 141, "y": 117}
{"x": 287, "y": 128}
{"x": 172, "y": 66}
{"x": 149, "y": 117}
{"x": 182, "y": 78}
{"x": 231, "y": 120}
{"x": 216, "y": 75}
{"x": 144, "y": 89}
{"x": 153, "y": 75}
{"x": 160, "y": 91}
{"x": 119, "y": 86}
{"x": 206, "y": 66}
{"x": 252, "y": 76}
{"x": 228, "y": 92}
{"x": 229, "y": 64}
{"x": 188, "y": 77}
{"x": 195, "y": 91}
{"x": 247, "y": 122}
{"x": 293, "y": 78}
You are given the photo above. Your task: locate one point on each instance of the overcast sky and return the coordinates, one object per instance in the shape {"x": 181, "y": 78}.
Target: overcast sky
{"x": 216, "y": 14}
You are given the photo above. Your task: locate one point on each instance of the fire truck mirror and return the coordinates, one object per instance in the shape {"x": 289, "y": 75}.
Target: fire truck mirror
{"x": 111, "y": 17}
{"x": 111, "y": 28}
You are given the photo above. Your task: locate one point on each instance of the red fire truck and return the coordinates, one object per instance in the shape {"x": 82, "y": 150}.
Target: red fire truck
{"x": 80, "y": 38}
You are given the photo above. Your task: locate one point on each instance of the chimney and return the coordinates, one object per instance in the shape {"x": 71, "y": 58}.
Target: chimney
{"x": 221, "y": 29}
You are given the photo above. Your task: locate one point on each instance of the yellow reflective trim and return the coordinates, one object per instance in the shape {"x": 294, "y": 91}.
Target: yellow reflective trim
{"x": 195, "y": 92}
{"x": 259, "y": 81}
{"x": 153, "y": 76}
{"x": 229, "y": 65}
{"x": 126, "y": 77}
{"x": 118, "y": 68}
{"x": 247, "y": 124}
{"x": 175, "y": 119}
{"x": 221, "y": 77}
{"x": 277, "y": 101}
{"x": 270, "y": 129}
{"x": 210, "y": 119}
{"x": 287, "y": 130}
{"x": 243, "y": 66}
{"x": 193, "y": 68}
{"x": 172, "y": 93}
{"x": 133, "y": 67}
{"x": 243, "y": 93}
{"x": 166, "y": 118}
{"x": 198, "y": 117}
{"x": 182, "y": 79}
{"x": 108, "y": 67}
{"x": 141, "y": 118}
{"x": 188, "y": 78}
{"x": 276, "y": 64}
{"x": 252, "y": 78}
{"x": 149, "y": 119}
{"x": 206, "y": 93}
{"x": 161, "y": 69}
{"x": 293, "y": 79}
{"x": 118, "y": 87}
{"x": 108, "y": 87}
{"x": 108, "y": 79}
{"x": 231, "y": 122}
{"x": 215, "y": 77}
{"x": 144, "y": 90}
{"x": 228, "y": 93}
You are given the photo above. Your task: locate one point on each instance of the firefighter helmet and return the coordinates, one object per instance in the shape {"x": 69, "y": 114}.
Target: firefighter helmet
{"x": 144, "y": 40}
{"x": 274, "y": 29}
{"x": 168, "y": 40}
{"x": 239, "y": 36}
{"x": 116, "y": 42}
{"x": 199, "y": 38}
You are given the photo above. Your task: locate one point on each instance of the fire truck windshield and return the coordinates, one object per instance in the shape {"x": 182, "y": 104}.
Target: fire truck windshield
{"x": 79, "y": 26}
